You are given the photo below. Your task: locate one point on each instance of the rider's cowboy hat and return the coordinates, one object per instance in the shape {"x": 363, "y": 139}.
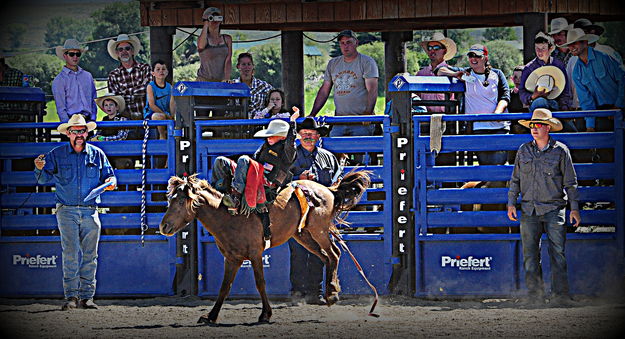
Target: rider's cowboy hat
{"x": 76, "y": 120}
{"x": 276, "y": 128}
{"x": 132, "y": 40}
{"x": 550, "y": 78}
{"x": 558, "y": 25}
{"x": 310, "y": 123}
{"x": 543, "y": 116}
{"x": 449, "y": 44}
{"x": 577, "y": 34}
{"x": 70, "y": 44}
{"x": 118, "y": 99}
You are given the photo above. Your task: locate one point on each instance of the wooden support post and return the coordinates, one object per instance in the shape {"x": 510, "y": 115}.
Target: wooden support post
{"x": 394, "y": 55}
{"x": 293, "y": 68}
{"x": 532, "y": 24}
{"x": 161, "y": 47}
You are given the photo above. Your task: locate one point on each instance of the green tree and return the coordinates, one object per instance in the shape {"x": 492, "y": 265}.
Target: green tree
{"x": 500, "y": 33}
{"x": 61, "y": 28}
{"x": 503, "y": 56}
{"x": 376, "y": 51}
{"x": 42, "y": 67}
{"x": 15, "y": 33}
{"x": 614, "y": 36}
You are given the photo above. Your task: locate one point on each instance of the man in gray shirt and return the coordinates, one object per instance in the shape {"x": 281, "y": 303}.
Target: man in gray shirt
{"x": 543, "y": 172}
{"x": 355, "y": 80}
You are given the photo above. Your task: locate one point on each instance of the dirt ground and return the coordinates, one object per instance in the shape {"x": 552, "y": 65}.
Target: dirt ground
{"x": 175, "y": 317}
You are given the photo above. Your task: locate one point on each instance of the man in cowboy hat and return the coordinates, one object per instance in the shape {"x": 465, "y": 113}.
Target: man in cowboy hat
{"x": 559, "y": 27}
{"x": 543, "y": 81}
{"x": 589, "y": 28}
{"x": 76, "y": 168}
{"x": 131, "y": 78}
{"x": 439, "y": 49}
{"x": 73, "y": 88}
{"x": 599, "y": 79}
{"x": 544, "y": 176}
{"x": 316, "y": 164}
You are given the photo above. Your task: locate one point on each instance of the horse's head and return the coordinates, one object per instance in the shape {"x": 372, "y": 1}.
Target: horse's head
{"x": 185, "y": 196}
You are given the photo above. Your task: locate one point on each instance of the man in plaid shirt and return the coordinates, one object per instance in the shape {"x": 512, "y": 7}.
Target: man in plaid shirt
{"x": 258, "y": 89}
{"x": 131, "y": 78}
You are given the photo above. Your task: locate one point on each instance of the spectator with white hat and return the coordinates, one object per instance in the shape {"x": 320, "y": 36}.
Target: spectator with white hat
{"x": 73, "y": 89}
{"x": 559, "y": 27}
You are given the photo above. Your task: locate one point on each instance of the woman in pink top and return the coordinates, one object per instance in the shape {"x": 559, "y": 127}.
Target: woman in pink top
{"x": 215, "y": 49}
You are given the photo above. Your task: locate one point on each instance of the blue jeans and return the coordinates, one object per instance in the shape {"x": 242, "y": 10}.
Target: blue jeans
{"x": 541, "y": 102}
{"x": 80, "y": 233}
{"x": 531, "y": 231}
{"x": 306, "y": 270}
{"x": 492, "y": 157}
{"x": 224, "y": 169}
{"x": 351, "y": 130}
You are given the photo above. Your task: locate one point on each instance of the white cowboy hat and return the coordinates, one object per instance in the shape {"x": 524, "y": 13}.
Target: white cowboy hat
{"x": 577, "y": 34}
{"x": 132, "y": 40}
{"x": 118, "y": 99}
{"x": 276, "y": 128}
{"x": 449, "y": 44}
{"x": 551, "y": 78}
{"x": 558, "y": 25}
{"x": 69, "y": 44}
{"x": 543, "y": 116}
{"x": 76, "y": 120}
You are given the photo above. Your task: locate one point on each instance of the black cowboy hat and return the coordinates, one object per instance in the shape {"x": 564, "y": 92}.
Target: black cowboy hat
{"x": 586, "y": 24}
{"x": 310, "y": 123}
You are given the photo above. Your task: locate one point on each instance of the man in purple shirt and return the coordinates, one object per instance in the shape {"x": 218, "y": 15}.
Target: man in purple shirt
{"x": 439, "y": 49}
{"x": 73, "y": 89}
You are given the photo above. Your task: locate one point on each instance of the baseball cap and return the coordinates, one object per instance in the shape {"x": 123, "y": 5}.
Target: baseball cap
{"x": 348, "y": 33}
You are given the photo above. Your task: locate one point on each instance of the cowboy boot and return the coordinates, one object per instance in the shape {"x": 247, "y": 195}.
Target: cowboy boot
{"x": 232, "y": 200}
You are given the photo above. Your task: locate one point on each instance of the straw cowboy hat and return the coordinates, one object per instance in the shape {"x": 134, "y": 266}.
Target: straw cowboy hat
{"x": 577, "y": 34}
{"x": 449, "y": 44}
{"x": 76, "y": 120}
{"x": 558, "y": 25}
{"x": 132, "y": 40}
{"x": 548, "y": 78}
{"x": 118, "y": 99}
{"x": 69, "y": 45}
{"x": 276, "y": 128}
{"x": 310, "y": 123}
{"x": 543, "y": 116}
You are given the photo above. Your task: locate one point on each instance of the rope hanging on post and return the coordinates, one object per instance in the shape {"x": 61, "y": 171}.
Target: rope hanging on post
{"x": 144, "y": 219}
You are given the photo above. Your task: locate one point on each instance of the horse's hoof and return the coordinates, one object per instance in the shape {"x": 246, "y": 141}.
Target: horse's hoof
{"x": 263, "y": 320}
{"x": 333, "y": 299}
{"x": 205, "y": 319}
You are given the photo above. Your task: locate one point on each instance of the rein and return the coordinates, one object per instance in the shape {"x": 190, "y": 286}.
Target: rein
{"x": 359, "y": 268}
{"x": 144, "y": 219}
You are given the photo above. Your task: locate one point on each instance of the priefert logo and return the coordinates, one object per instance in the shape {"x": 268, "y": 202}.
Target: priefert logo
{"x": 38, "y": 261}
{"x": 469, "y": 263}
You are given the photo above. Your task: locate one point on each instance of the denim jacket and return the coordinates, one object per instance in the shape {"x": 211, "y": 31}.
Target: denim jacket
{"x": 75, "y": 174}
{"x": 542, "y": 177}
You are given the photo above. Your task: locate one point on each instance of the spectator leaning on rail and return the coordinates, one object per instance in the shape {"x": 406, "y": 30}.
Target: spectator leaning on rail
{"x": 589, "y": 28}
{"x": 131, "y": 78}
{"x": 316, "y": 164}
{"x": 112, "y": 105}
{"x": 599, "y": 79}
{"x": 215, "y": 49}
{"x": 259, "y": 89}
{"x": 354, "y": 77}
{"x": 439, "y": 49}
{"x": 486, "y": 92}
{"x": 73, "y": 89}
{"x": 543, "y": 82}
{"x": 76, "y": 168}
{"x": 9, "y": 76}
{"x": 160, "y": 103}
{"x": 544, "y": 176}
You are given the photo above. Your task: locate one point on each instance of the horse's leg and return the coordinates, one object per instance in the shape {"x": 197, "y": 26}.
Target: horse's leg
{"x": 259, "y": 277}
{"x": 231, "y": 267}
{"x": 332, "y": 255}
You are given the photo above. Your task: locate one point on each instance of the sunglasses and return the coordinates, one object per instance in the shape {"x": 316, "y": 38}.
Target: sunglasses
{"x": 77, "y": 131}
{"x": 127, "y": 48}
{"x": 473, "y": 55}
{"x": 435, "y": 48}
{"x": 536, "y": 125}
{"x": 73, "y": 54}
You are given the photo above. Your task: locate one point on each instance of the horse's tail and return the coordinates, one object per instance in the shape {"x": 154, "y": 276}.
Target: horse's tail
{"x": 348, "y": 191}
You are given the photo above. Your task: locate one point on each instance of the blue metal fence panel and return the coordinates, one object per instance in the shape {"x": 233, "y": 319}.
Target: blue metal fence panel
{"x": 438, "y": 208}
{"x": 372, "y": 250}
{"x": 29, "y": 241}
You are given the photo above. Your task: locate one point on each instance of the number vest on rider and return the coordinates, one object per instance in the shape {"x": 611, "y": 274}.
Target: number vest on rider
{"x": 276, "y": 162}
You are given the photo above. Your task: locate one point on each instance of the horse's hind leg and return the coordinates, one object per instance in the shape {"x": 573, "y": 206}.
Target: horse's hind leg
{"x": 231, "y": 267}
{"x": 330, "y": 254}
{"x": 259, "y": 277}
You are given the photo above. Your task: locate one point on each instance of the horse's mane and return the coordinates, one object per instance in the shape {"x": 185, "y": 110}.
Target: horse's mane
{"x": 198, "y": 191}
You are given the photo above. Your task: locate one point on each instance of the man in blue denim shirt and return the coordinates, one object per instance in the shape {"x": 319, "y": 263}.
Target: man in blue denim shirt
{"x": 316, "y": 164}
{"x": 76, "y": 168}
{"x": 543, "y": 172}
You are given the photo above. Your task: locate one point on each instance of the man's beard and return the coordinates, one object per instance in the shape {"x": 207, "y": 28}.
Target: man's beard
{"x": 76, "y": 139}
